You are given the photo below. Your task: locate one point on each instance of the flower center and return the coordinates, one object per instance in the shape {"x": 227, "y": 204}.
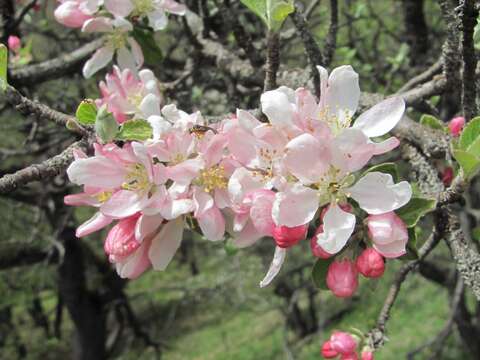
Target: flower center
{"x": 117, "y": 39}
{"x": 212, "y": 178}
{"x": 142, "y": 7}
{"x": 103, "y": 196}
{"x": 136, "y": 179}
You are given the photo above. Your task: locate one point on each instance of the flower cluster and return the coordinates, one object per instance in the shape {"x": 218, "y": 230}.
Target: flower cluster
{"x": 114, "y": 19}
{"x": 343, "y": 346}
{"x": 295, "y": 175}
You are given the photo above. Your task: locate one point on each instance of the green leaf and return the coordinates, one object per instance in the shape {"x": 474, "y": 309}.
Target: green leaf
{"x": 432, "y": 122}
{"x": 272, "y": 12}
{"x": 319, "y": 272}
{"x": 106, "y": 126}
{"x": 139, "y": 130}
{"x": 470, "y": 136}
{"x": 3, "y": 66}
{"x": 86, "y": 112}
{"x": 415, "y": 209}
{"x": 469, "y": 163}
{"x": 151, "y": 51}
{"x": 258, "y": 7}
{"x": 388, "y": 168}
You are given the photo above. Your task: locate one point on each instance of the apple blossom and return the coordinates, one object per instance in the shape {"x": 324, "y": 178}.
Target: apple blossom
{"x": 342, "y": 278}
{"x": 456, "y": 125}
{"x": 129, "y": 52}
{"x": 370, "y": 263}
{"x": 126, "y": 95}
{"x": 74, "y": 13}
{"x": 154, "y": 10}
{"x": 388, "y": 233}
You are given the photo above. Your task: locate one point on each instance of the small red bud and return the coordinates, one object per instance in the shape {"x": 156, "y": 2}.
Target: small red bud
{"x": 370, "y": 263}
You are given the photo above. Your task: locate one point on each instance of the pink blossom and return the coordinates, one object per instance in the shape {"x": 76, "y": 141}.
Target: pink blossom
{"x": 126, "y": 180}
{"x": 154, "y": 10}
{"x": 14, "y": 43}
{"x": 370, "y": 263}
{"x": 120, "y": 241}
{"x": 388, "y": 233}
{"x": 367, "y": 355}
{"x": 343, "y": 343}
{"x": 327, "y": 351}
{"x": 117, "y": 41}
{"x": 342, "y": 278}
{"x": 74, "y": 13}
{"x": 352, "y": 356}
{"x": 456, "y": 125}
{"x": 128, "y": 95}
{"x": 286, "y": 237}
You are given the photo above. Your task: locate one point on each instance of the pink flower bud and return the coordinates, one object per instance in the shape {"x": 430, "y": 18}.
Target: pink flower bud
{"x": 327, "y": 351}
{"x": 370, "y": 263}
{"x": 367, "y": 355}
{"x": 120, "y": 241}
{"x": 388, "y": 233}
{"x": 342, "y": 278}
{"x": 352, "y": 356}
{"x": 447, "y": 176}
{"x": 70, "y": 15}
{"x": 343, "y": 343}
{"x": 14, "y": 43}
{"x": 317, "y": 250}
{"x": 286, "y": 237}
{"x": 456, "y": 125}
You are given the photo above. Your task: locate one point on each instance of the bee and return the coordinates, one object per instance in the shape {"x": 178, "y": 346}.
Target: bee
{"x": 200, "y": 130}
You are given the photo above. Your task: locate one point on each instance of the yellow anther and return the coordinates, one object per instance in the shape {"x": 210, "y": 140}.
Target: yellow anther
{"x": 136, "y": 178}
{"x": 103, "y": 196}
{"x": 212, "y": 178}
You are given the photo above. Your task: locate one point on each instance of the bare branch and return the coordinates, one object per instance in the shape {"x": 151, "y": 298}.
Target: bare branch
{"x": 47, "y": 169}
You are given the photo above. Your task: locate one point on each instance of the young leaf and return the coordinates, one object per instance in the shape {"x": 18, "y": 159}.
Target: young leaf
{"x": 432, "y": 121}
{"x": 3, "y": 66}
{"x": 319, "y": 272}
{"x": 415, "y": 209}
{"x": 469, "y": 162}
{"x": 272, "y": 12}
{"x": 86, "y": 112}
{"x": 106, "y": 126}
{"x": 277, "y": 12}
{"x": 388, "y": 168}
{"x": 470, "y": 137}
{"x": 139, "y": 130}
{"x": 258, "y": 7}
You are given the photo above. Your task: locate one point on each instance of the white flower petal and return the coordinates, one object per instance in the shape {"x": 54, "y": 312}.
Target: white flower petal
{"x": 275, "y": 266}
{"x": 338, "y": 226}
{"x": 98, "y": 61}
{"x": 278, "y": 107}
{"x": 381, "y": 118}
{"x": 343, "y": 92}
{"x": 377, "y": 194}
{"x": 166, "y": 243}
{"x": 212, "y": 224}
{"x": 295, "y": 206}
